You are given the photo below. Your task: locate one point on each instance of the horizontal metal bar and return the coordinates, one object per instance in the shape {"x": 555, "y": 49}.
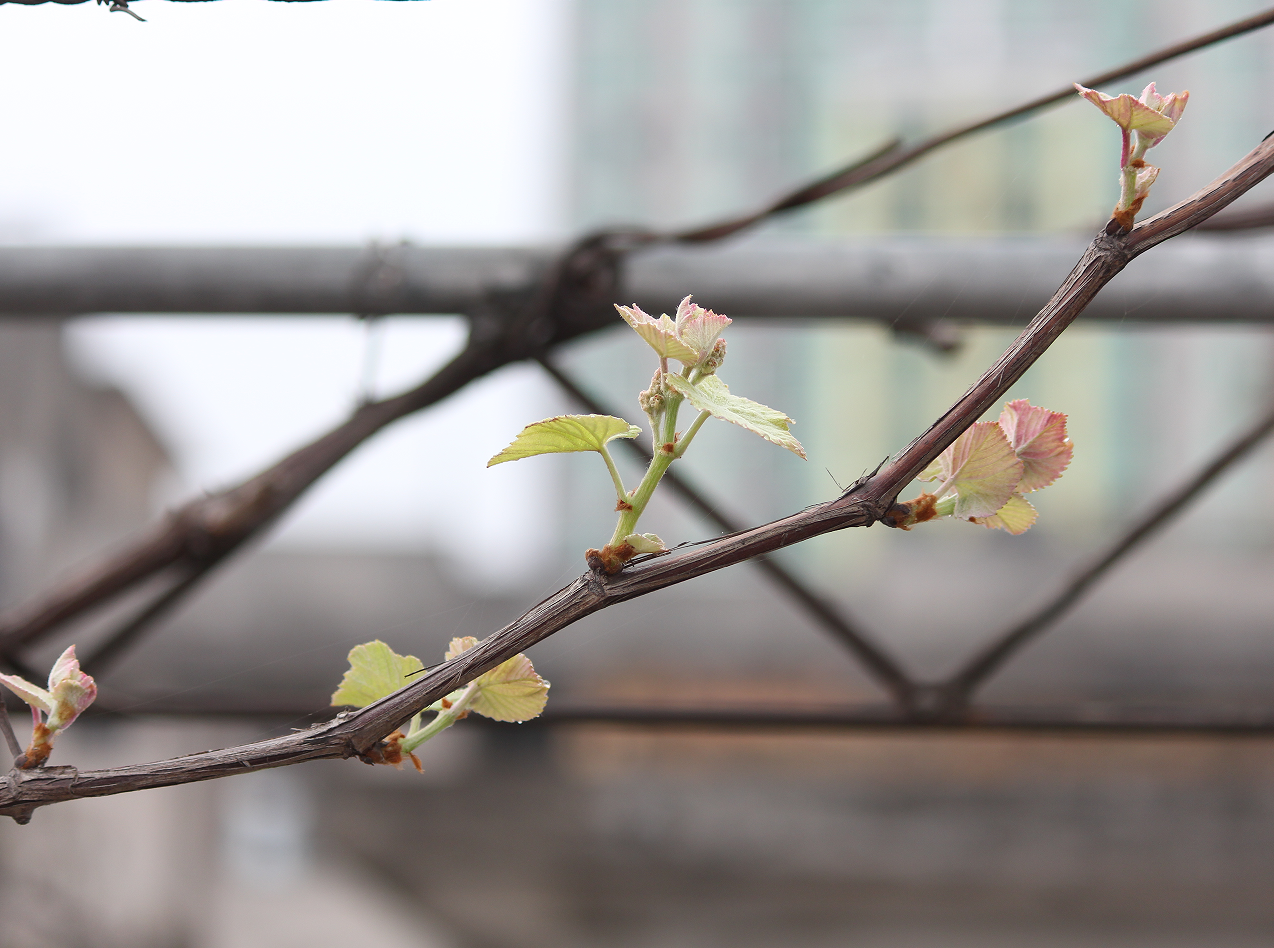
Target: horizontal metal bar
{"x": 1078, "y": 719}
{"x": 903, "y": 281}
{"x": 292, "y": 280}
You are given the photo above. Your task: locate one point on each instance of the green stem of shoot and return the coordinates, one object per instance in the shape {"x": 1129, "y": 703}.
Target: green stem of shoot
{"x": 620, "y": 492}
{"x": 1128, "y": 189}
{"x": 946, "y": 506}
{"x": 442, "y": 720}
{"x": 665, "y": 432}
{"x": 689, "y": 435}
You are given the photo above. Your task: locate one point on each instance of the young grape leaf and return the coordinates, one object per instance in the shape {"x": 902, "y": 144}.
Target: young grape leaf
{"x": 710, "y": 394}
{"x": 459, "y": 646}
{"x": 33, "y": 695}
{"x": 511, "y": 691}
{"x": 980, "y": 468}
{"x": 375, "y": 670}
{"x": 698, "y": 327}
{"x": 1017, "y": 516}
{"x": 1038, "y": 437}
{"x": 565, "y": 434}
{"x": 661, "y": 334}
{"x": 1153, "y": 115}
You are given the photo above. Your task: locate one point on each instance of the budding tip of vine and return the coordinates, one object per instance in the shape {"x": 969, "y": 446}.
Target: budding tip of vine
{"x": 906, "y": 515}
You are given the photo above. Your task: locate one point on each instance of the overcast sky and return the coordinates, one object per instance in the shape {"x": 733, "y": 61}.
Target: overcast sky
{"x": 246, "y": 121}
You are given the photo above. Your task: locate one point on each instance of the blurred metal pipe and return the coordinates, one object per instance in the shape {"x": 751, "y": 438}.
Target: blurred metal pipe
{"x": 903, "y": 281}
{"x": 252, "y": 280}
{"x": 1077, "y": 719}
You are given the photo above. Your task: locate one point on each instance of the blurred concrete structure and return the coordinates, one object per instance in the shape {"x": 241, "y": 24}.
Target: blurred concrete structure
{"x": 78, "y": 466}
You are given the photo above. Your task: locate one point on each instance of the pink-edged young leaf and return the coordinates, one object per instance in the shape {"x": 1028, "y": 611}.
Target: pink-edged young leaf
{"x": 1130, "y": 114}
{"x": 660, "y": 334}
{"x": 1017, "y": 516}
{"x": 1038, "y": 437}
{"x": 698, "y": 328}
{"x": 1152, "y": 116}
{"x": 459, "y": 645}
{"x": 1170, "y": 106}
{"x": 70, "y": 689}
{"x": 980, "y": 468}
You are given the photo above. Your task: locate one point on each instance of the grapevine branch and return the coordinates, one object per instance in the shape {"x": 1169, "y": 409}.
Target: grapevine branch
{"x": 571, "y": 301}
{"x": 868, "y": 500}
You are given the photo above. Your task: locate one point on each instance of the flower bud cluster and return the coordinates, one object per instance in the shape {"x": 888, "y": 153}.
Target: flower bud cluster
{"x": 712, "y": 361}
{"x": 652, "y": 400}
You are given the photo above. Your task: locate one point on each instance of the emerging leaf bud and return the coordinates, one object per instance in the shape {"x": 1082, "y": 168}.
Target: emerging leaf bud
{"x": 1144, "y": 122}
{"x": 70, "y": 692}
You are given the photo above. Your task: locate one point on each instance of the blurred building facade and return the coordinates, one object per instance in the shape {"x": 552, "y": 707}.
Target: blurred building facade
{"x": 689, "y": 112}
{"x": 78, "y": 465}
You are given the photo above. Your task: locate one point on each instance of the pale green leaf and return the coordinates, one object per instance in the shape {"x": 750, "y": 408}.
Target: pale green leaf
{"x": 1017, "y": 516}
{"x": 565, "y": 434}
{"x": 33, "y": 695}
{"x": 710, "y": 394}
{"x": 459, "y": 646}
{"x": 375, "y": 670}
{"x": 981, "y": 469}
{"x": 511, "y": 691}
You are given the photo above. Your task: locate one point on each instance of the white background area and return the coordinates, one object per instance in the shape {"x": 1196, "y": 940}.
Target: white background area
{"x": 340, "y": 122}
